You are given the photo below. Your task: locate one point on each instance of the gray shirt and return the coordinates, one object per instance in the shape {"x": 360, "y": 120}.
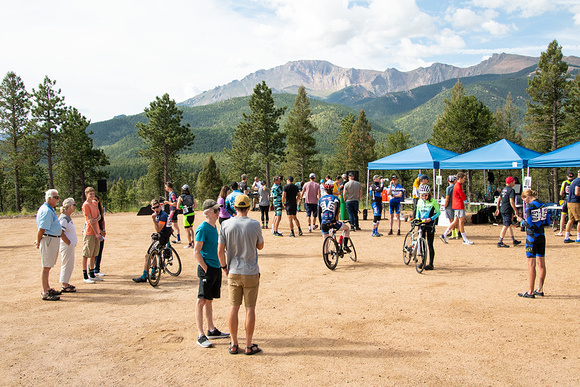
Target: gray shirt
{"x": 352, "y": 190}
{"x": 264, "y": 196}
{"x": 240, "y": 235}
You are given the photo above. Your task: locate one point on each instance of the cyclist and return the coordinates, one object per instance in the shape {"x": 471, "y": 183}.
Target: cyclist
{"x": 328, "y": 212}
{"x": 163, "y": 226}
{"x": 396, "y": 193}
{"x": 376, "y": 190}
{"x": 428, "y": 211}
{"x": 187, "y": 202}
{"x": 564, "y": 190}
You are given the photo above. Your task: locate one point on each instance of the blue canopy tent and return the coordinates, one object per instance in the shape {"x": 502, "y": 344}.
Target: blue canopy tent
{"x": 424, "y": 156}
{"x": 568, "y": 156}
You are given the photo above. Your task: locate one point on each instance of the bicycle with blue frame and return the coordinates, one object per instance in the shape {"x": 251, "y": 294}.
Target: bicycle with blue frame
{"x": 162, "y": 259}
{"x": 415, "y": 246}
{"x": 332, "y": 250}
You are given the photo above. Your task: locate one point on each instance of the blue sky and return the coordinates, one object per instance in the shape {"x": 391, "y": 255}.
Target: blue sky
{"x": 115, "y": 56}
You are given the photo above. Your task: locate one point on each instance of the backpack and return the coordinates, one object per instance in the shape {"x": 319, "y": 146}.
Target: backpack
{"x": 187, "y": 202}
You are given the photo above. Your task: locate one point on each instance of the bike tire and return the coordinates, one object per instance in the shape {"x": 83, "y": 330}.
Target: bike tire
{"x": 173, "y": 264}
{"x": 154, "y": 268}
{"x": 352, "y": 254}
{"x": 330, "y": 252}
{"x": 421, "y": 252}
{"x": 408, "y": 247}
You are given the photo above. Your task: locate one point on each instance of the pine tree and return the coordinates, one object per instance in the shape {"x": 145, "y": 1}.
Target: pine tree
{"x": 14, "y": 115}
{"x": 47, "y": 114}
{"x": 506, "y": 120}
{"x": 549, "y": 98}
{"x": 164, "y": 137}
{"x": 360, "y": 146}
{"x": 209, "y": 181}
{"x": 300, "y": 142}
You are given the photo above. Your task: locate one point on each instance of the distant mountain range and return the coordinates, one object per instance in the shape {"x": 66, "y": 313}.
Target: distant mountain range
{"x": 323, "y": 80}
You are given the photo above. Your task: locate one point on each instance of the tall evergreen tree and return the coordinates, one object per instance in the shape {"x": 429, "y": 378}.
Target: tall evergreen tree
{"x": 506, "y": 120}
{"x": 360, "y": 147}
{"x": 261, "y": 128}
{"x": 164, "y": 137}
{"x": 14, "y": 115}
{"x": 78, "y": 162}
{"x": 549, "y": 97}
{"x": 47, "y": 114}
{"x": 241, "y": 157}
{"x": 300, "y": 142}
{"x": 573, "y": 108}
{"x": 209, "y": 181}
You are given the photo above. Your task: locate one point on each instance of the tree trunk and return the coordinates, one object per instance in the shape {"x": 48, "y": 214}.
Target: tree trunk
{"x": 17, "y": 188}
{"x": 553, "y": 197}
{"x": 469, "y": 184}
{"x": 268, "y": 173}
{"x": 49, "y": 160}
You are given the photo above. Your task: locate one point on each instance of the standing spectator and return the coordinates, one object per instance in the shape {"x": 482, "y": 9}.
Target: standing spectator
{"x": 573, "y": 209}
{"x": 68, "y": 242}
{"x": 208, "y": 272}
{"x": 224, "y": 214}
{"x": 449, "y": 211}
{"x": 187, "y": 203}
{"x": 428, "y": 211}
{"x": 238, "y": 245}
{"x": 99, "y": 256}
{"x": 91, "y": 236}
{"x": 162, "y": 226}
{"x": 264, "y": 203}
{"x": 536, "y": 218}
{"x": 376, "y": 190}
{"x": 311, "y": 194}
{"x": 506, "y": 205}
{"x": 322, "y": 190}
{"x": 276, "y": 194}
{"x": 256, "y": 192}
{"x": 290, "y": 197}
{"x": 173, "y": 210}
{"x": 48, "y": 241}
{"x": 351, "y": 195}
{"x": 231, "y": 198}
{"x": 397, "y": 194}
{"x": 564, "y": 191}
{"x": 243, "y": 185}
{"x": 459, "y": 200}
{"x": 416, "y": 185}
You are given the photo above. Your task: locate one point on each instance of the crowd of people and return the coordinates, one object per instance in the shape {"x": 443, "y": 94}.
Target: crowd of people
{"x": 233, "y": 250}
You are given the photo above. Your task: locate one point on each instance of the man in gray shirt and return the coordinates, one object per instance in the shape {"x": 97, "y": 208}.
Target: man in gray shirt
{"x": 351, "y": 195}
{"x": 238, "y": 244}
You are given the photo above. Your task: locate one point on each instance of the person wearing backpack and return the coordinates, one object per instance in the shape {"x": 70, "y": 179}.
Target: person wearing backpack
{"x": 187, "y": 203}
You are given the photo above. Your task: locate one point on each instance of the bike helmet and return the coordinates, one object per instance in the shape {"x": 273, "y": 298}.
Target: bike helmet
{"x": 424, "y": 189}
{"x": 328, "y": 186}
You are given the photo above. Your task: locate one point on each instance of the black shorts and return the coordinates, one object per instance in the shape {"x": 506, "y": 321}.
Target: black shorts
{"x": 311, "y": 209}
{"x": 291, "y": 209}
{"x": 210, "y": 283}
{"x": 173, "y": 216}
{"x": 565, "y": 207}
{"x": 507, "y": 218}
{"x": 326, "y": 227}
{"x": 535, "y": 246}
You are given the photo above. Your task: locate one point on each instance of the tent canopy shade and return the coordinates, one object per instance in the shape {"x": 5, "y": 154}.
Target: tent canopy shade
{"x": 424, "y": 156}
{"x": 502, "y": 154}
{"x": 568, "y": 156}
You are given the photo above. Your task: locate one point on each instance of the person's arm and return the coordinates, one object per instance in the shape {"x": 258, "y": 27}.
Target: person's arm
{"x": 39, "y": 235}
{"x": 497, "y": 204}
{"x": 513, "y": 204}
{"x": 283, "y": 197}
{"x": 65, "y": 239}
{"x": 222, "y": 257}
{"x": 158, "y": 225}
{"x": 197, "y": 254}
{"x": 577, "y": 190}
{"x": 260, "y": 245}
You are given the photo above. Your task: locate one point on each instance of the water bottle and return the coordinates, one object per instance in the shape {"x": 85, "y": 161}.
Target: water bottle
{"x": 522, "y": 227}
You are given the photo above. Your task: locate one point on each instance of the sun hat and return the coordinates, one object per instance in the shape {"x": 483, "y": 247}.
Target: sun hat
{"x": 210, "y": 203}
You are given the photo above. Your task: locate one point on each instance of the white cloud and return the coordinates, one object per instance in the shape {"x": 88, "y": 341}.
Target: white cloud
{"x": 523, "y": 8}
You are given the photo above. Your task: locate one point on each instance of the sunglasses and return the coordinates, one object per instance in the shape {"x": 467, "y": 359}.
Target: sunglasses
{"x": 56, "y": 197}
{"x": 156, "y": 207}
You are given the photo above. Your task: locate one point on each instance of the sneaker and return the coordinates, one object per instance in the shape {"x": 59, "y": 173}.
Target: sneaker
{"x": 515, "y": 243}
{"x": 429, "y": 267}
{"x": 49, "y": 297}
{"x": 203, "y": 342}
{"x": 292, "y": 234}
{"x": 390, "y": 232}
{"x": 526, "y": 295}
{"x": 577, "y": 240}
{"x": 176, "y": 241}
{"x": 501, "y": 244}
{"x": 443, "y": 239}
{"x": 88, "y": 281}
{"x": 300, "y": 233}
{"x": 379, "y": 234}
{"x": 346, "y": 249}
{"x": 99, "y": 274}
{"x": 374, "y": 234}
{"x": 568, "y": 240}
{"x": 309, "y": 229}
{"x": 467, "y": 242}
{"x": 315, "y": 226}
{"x": 216, "y": 334}
{"x": 398, "y": 232}
{"x": 277, "y": 234}
{"x": 136, "y": 279}
{"x": 96, "y": 278}
{"x": 189, "y": 246}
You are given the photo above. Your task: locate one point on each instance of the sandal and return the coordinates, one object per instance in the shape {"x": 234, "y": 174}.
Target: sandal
{"x": 68, "y": 289}
{"x": 53, "y": 292}
{"x": 233, "y": 349}
{"x": 49, "y": 297}
{"x": 526, "y": 295}
{"x": 253, "y": 349}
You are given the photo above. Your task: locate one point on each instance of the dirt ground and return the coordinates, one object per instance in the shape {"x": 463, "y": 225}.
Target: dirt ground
{"x": 371, "y": 322}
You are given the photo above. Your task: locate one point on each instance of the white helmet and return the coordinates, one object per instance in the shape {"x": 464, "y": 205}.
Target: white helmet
{"x": 424, "y": 189}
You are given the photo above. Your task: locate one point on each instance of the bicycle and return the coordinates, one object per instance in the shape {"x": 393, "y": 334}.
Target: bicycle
{"x": 332, "y": 250}
{"x": 162, "y": 258}
{"x": 415, "y": 245}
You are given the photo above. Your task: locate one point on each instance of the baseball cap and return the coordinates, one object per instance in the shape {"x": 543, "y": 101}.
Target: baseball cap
{"x": 376, "y": 177}
{"x": 242, "y": 201}
{"x": 344, "y": 175}
{"x": 509, "y": 180}
{"x": 570, "y": 175}
{"x": 209, "y": 203}
{"x": 452, "y": 178}
{"x": 185, "y": 186}
{"x": 312, "y": 176}
{"x": 422, "y": 177}
{"x": 394, "y": 177}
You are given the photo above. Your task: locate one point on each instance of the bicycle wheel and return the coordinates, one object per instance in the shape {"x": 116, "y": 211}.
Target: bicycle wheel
{"x": 408, "y": 247}
{"x": 352, "y": 253}
{"x": 421, "y": 255}
{"x": 153, "y": 268}
{"x": 173, "y": 263}
{"x": 330, "y": 252}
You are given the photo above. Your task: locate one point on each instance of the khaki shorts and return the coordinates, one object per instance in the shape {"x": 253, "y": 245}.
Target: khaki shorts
{"x": 49, "y": 247}
{"x": 91, "y": 246}
{"x": 574, "y": 211}
{"x": 243, "y": 287}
